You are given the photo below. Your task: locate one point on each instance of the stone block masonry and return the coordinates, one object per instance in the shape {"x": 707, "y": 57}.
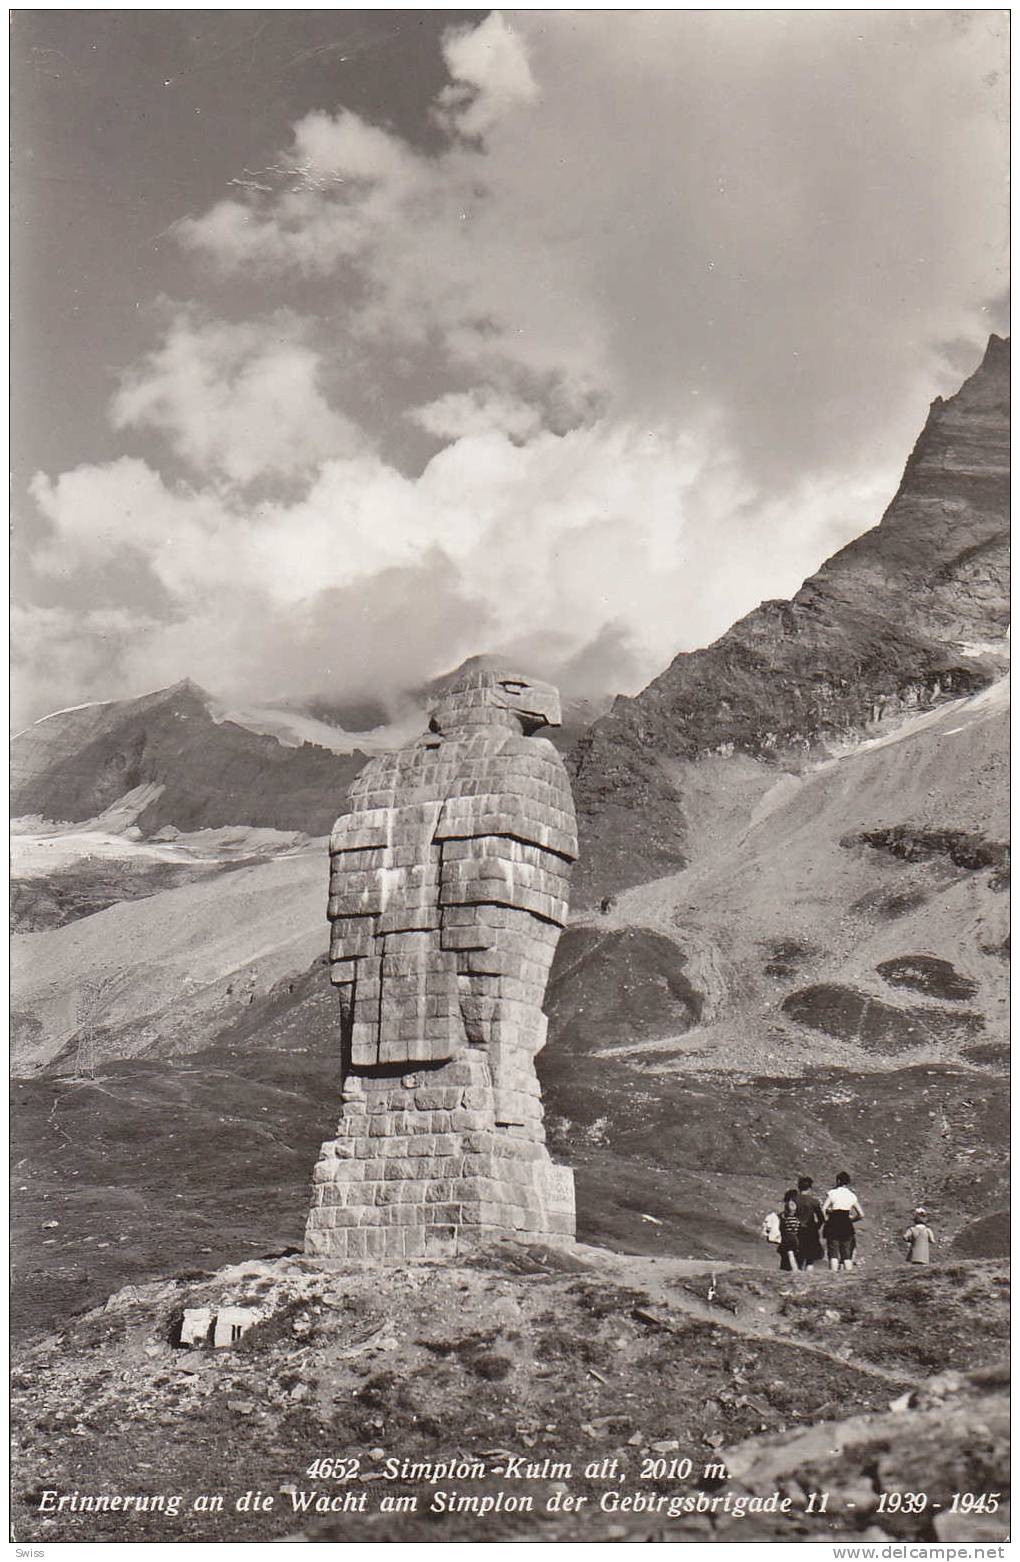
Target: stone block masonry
{"x": 448, "y": 892}
{"x": 419, "y": 1169}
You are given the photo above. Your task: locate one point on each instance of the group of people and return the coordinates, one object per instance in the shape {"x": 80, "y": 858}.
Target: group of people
{"x": 806, "y": 1221}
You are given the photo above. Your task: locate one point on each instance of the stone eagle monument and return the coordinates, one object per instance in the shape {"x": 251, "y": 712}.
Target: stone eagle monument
{"x": 448, "y": 893}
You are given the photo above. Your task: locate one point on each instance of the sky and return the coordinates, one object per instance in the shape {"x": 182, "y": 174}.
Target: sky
{"x": 350, "y": 344}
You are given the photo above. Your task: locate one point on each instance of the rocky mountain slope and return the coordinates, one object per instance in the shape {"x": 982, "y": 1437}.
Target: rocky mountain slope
{"x": 912, "y": 613}
{"x": 172, "y": 963}
{"x": 853, "y": 914}
{"x": 667, "y": 1401}
{"x": 857, "y": 914}
{"x": 199, "y": 772}
{"x": 181, "y": 758}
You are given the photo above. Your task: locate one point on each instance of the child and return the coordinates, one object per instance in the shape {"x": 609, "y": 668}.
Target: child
{"x": 789, "y": 1232}
{"x": 770, "y": 1228}
{"x": 919, "y": 1239}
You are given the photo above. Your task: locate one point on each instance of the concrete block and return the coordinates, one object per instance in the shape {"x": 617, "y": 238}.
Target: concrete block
{"x": 440, "y": 1241}
{"x": 196, "y": 1325}
{"x": 414, "y": 1241}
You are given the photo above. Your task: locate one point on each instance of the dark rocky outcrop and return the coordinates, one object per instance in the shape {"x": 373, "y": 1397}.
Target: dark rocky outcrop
{"x": 875, "y": 1026}
{"x": 88, "y": 887}
{"x": 963, "y": 848}
{"x": 912, "y": 613}
{"x": 927, "y": 975}
{"x": 627, "y": 984}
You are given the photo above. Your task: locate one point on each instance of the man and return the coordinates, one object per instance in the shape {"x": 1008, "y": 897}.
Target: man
{"x": 842, "y": 1210}
{"x": 809, "y": 1212}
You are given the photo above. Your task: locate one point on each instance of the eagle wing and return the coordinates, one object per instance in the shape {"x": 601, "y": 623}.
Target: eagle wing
{"x": 512, "y": 844}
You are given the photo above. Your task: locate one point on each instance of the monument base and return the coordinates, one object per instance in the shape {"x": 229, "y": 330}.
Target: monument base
{"x": 421, "y": 1168}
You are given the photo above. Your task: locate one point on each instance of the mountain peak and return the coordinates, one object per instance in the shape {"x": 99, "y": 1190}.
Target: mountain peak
{"x": 185, "y": 686}
{"x": 909, "y": 614}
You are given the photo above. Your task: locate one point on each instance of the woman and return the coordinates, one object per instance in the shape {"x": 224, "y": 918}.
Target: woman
{"x": 809, "y": 1209}
{"x": 842, "y": 1211}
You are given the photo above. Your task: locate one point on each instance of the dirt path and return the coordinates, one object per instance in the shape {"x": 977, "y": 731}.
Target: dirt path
{"x": 657, "y": 1277}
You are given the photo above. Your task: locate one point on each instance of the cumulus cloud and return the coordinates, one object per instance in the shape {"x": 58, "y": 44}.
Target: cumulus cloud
{"x": 338, "y": 189}
{"x": 593, "y": 553}
{"x": 67, "y": 656}
{"x": 481, "y": 410}
{"x": 99, "y": 513}
{"x": 491, "y": 76}
{"x": 786, "y": 214}
{"x": 237, "y": 400}
{"x": 673, "y": 292}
